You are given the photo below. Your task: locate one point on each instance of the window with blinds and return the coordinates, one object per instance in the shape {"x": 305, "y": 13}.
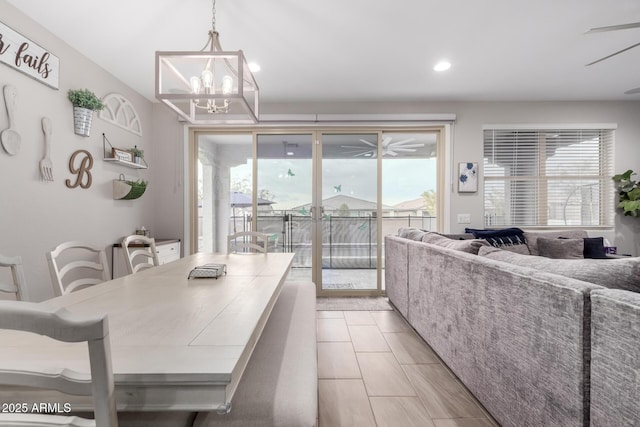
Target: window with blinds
{"x": 548, "y": 178}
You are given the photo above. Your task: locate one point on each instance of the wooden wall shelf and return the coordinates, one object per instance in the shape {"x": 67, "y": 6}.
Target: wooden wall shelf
{"x": 108, "y": 156}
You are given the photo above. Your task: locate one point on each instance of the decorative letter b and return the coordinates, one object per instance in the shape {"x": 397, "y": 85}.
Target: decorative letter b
{"x": 85, "y": 167}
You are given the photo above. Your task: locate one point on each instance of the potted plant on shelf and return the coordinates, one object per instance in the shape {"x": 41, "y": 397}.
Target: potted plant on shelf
{"x": 138, "y": 154}
{"x": 84, "y": 103}
{"x": 629, "y": 192}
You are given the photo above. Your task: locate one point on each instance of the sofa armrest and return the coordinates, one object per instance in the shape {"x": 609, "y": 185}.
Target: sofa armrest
{"x": 615, "y": 357}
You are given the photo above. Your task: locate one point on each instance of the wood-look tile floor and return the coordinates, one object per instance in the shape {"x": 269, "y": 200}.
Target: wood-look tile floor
{"x": 375, "y": 371}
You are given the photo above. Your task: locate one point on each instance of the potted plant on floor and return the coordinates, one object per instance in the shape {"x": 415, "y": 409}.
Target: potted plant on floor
{"x": 629, "y": 192}
{"x": 84, "y": 103}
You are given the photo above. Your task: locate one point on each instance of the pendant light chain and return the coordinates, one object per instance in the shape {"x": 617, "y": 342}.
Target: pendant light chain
{"x": 213, "y": 15}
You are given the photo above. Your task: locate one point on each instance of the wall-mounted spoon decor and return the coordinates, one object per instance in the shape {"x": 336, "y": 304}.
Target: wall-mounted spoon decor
{"x": 46, "y": 171}
{"x": 9, "y": 137}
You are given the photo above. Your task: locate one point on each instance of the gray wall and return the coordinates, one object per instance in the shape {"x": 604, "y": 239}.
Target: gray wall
{"x": 35, "y": 216}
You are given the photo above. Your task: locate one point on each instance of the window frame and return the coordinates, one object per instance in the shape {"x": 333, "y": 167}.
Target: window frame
{"x": 540, "y": 180}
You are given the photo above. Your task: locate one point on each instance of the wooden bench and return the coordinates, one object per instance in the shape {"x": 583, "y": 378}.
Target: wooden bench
{"x": 280, "y": 384}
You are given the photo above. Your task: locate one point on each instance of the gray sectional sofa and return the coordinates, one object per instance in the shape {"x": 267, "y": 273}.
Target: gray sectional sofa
{"x": 522, "y": 339}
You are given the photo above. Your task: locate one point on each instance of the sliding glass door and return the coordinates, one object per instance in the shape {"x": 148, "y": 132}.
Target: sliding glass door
{"x": 284, "y": 186}
{"x": 348, "y": 212}
{"x": 329, "y": 196}
{"x": 224, "y": 164}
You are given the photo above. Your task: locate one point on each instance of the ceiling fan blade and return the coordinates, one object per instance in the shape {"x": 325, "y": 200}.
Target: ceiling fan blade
{"x": 404, "y": 141}
{"x": 386, "y": 141}
{"x": 632, "y": 91}
{"x": 613, "y": 54}
{"x": 391, "y": 153}
{"x": 408, "y": 146}
{"x": 371, "y": 144}
{"x": 404, "y": 150}
{"x": 613, "y": 28}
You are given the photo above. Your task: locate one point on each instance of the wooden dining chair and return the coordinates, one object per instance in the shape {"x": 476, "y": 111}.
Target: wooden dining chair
{"x": 61, "y": 325}
{"x": 79, "y": 269}
{"x": 139, "y": 253}
{"x": 247, "y": 242}
{"x": 19, "y": 286}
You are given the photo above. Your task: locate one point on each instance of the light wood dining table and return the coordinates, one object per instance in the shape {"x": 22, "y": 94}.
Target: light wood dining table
{"x": 177, "y": 343}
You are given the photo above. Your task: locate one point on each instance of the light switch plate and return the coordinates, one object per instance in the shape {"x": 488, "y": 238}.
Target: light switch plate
{"x": 464, "y": 218}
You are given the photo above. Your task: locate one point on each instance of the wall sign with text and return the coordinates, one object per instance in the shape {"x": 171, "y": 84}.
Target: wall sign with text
{"x": 22, "y": 54}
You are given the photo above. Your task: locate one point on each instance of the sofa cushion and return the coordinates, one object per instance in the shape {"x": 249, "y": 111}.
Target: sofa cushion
{"x": 507, "y": 237}
{"x": 532, "y": 237}
{"x": 458, "y": 236}
{"x": 411, "y": 233}
{"x": 469, "y": 246}
{"x": 594, "y": 247}
{"x": 561, "y": 248}
{"x": 623, "y": 273}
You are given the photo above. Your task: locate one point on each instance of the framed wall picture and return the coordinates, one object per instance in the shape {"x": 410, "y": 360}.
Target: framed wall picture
{"x": 123, "y": 155}
{"x": 467, "y": 177}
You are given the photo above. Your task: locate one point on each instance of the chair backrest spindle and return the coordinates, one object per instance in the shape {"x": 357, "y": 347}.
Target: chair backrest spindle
{"x": 247, "y": 242}
{"x": 19, "y": 286}
{"x": 62, "y": 325}
{"x": 77, "y": 268}
{"x": 139, "y": 253}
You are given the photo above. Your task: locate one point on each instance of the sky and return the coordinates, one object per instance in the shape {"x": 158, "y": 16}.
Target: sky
{"x": 290, "y": 180}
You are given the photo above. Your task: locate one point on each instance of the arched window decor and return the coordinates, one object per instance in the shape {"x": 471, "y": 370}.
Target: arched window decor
{"x": 119, "y": 111}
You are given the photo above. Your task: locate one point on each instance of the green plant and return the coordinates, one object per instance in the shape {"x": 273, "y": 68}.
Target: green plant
{"x": 137, "y": 189}
{"x": 629, "y": 192}
{"x": 137, "y": 152}
{"x": 84, "y": 98}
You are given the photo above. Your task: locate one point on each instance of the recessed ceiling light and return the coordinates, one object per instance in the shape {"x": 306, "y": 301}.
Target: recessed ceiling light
{"x": 290, "y": 153}
{"x": 442, "y": 66}
{"x": 253, "y": 67}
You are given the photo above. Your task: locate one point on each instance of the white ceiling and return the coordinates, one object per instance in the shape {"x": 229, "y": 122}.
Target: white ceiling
{"x": 370, "y": 50}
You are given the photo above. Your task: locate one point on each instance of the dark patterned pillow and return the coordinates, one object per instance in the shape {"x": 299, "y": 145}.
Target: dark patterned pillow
{"x": 503, "y": 238}
{"x": 594, "y": 247}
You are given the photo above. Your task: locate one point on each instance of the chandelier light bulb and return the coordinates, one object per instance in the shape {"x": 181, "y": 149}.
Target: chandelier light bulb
{"x": 207, "y": 79}
{"x": 195, "y": 84}
{"x": 227, "y": 85}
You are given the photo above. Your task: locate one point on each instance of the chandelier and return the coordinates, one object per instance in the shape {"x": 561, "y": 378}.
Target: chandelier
{"x": 208, "y": 86}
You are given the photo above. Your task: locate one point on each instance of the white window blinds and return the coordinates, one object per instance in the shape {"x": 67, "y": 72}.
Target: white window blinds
{"x": 548, "y": 178}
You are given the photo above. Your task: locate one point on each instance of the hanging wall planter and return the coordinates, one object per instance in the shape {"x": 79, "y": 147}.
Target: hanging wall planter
{"x": 84, "y": 103}
{"x": 128, "y": 190}
{"x": 82, "y": 121}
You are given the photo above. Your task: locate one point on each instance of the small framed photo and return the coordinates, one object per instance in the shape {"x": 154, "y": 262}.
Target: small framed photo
{"x": 467, "y": 177}
{"x": 124, "y": 155}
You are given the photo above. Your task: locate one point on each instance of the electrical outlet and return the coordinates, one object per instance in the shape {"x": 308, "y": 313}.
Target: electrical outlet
{"x": 464, "y": 218}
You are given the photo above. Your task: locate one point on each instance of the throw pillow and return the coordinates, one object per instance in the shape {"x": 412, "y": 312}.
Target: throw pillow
{"x": 532, "y": 237}
{"x": 594, "y": 247}
{"x": 470, "y": 246}
{"x": 621, "y": 273}
{"x": 411, "y": 233}
{"x": 561, "y": 248}
{"x": 506, "y": 237}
